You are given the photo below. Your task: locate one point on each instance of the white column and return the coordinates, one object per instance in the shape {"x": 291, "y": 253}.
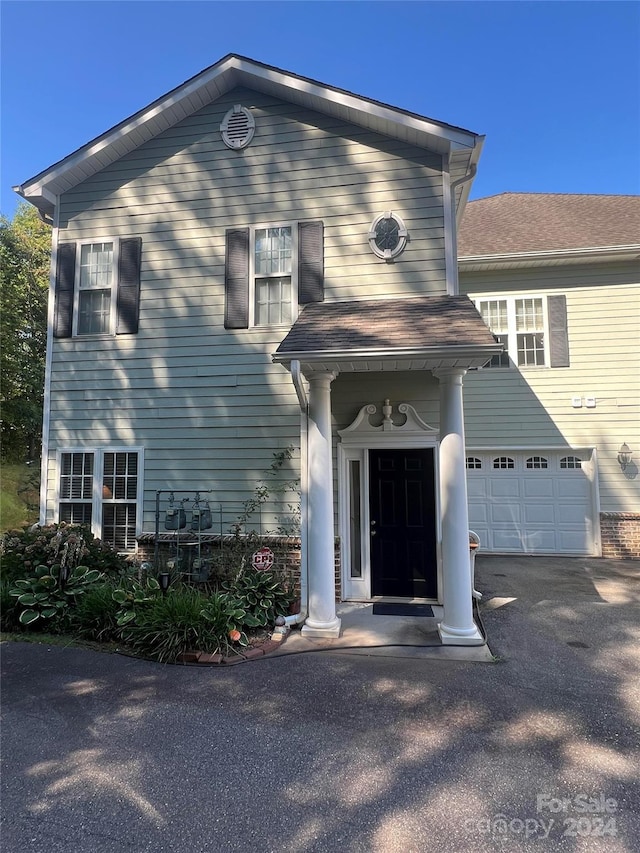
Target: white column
{"x": 322, "y": 620}
{"x": 457, "y": 626}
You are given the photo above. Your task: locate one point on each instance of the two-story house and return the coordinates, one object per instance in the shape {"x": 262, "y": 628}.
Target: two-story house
{"x": 257, "y": 260}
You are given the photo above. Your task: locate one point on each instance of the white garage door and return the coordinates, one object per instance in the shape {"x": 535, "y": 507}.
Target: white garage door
{"x": 532, "y": 502}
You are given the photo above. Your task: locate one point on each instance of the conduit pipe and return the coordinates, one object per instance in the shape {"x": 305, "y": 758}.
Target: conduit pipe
{"x": 296, "y": 377}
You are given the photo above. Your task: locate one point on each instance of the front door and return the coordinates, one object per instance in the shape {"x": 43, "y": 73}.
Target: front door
{"x": 402, "y": 514}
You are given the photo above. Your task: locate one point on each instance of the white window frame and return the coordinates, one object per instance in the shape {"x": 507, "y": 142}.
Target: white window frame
{"x": 512, "y": 332}
{"x": 115, "y": 241}
{"x": 97, "y": 499}
{"x": 253, "y": 275}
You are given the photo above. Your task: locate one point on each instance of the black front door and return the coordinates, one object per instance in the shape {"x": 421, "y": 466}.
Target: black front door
{"x": 403, "y": 523}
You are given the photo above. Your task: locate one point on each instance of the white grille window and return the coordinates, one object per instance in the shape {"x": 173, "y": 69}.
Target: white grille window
{"x": 473, "y": 462}
{"x": 536, "y": 462}
{"x": 571, "y": 462}
{"x": 521, "y": 325}
{"x": 503, "y": 462}
{"x": 95, "y": 288}
{"x": 272, "y": 270}
{"x": 102, "y": 489}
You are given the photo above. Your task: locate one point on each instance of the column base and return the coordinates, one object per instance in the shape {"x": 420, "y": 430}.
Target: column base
{"x": 458, "y": 637}
{"x": 321, "y": 629}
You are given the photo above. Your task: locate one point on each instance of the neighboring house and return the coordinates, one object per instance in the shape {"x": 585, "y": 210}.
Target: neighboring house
{"x": 258, "y": 260}
{"x": 557, "y": 279}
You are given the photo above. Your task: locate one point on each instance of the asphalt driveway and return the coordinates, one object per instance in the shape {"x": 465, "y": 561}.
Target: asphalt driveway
{"x": 324, "y": 752}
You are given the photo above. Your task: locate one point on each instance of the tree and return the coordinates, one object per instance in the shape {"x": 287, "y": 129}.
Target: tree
{"x": 24, "y": 283}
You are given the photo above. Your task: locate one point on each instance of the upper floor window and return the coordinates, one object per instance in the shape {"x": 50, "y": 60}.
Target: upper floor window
{"x": 95, "y": 286}
{"x": 533, "y": 330}
{"x": 270, "y": 270}
{"x": 97, "y": 290}
{"x": 273, "y": 286}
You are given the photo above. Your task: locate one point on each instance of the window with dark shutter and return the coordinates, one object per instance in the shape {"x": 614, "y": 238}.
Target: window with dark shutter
{"x": 558, "y": 331}
{"x": 310, "y": 262}
{"x": 65, "y": 277}
{"x": 236, "y": 280}
{"x": 128, "y": 299}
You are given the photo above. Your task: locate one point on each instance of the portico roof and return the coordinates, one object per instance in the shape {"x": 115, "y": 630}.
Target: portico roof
{"x": 419, "y": 333}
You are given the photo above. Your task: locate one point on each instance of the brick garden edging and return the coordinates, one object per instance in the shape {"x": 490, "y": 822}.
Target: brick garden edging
{"x": 263, "y": 648}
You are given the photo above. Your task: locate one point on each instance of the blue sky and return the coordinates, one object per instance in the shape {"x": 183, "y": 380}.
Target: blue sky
{"x": 554, "y": 86}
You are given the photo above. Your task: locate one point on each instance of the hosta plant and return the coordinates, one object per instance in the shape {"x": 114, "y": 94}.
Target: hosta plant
{"x": 42, "y": 597}
{"x": 261, "y": 594}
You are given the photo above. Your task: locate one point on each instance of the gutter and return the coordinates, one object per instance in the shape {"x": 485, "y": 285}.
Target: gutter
{"x": 296, "y": 378}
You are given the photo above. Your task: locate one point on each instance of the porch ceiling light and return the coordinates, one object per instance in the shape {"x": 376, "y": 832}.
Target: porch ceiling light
{"x": 624, "y": 455}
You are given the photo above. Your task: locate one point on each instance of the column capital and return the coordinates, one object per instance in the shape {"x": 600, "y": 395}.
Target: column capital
{"x": 321, "y": 377}
{"x": 453, "y": 375}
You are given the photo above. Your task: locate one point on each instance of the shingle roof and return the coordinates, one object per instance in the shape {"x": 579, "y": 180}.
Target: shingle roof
{"x": 404, "y": 324}
{"x": 511, "y": 223}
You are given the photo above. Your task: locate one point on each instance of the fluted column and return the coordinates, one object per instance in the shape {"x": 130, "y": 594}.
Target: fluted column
{"x": 457, "y": 626}
{"x": 322, "y": 620}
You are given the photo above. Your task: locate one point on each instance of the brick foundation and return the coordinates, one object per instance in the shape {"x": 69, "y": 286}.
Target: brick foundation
{"x": 620, "y": 532}
{"x": 227, "y": 553}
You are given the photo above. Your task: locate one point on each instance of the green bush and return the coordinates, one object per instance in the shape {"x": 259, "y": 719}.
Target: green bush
{"x": 169, "y": 625}
{"x": 42, "y": 597}
{"x": 57, "y": 544}
{"x": 261, "y": 594}
{"x": 95, "y": 616}
{"x": 9, "y": 609}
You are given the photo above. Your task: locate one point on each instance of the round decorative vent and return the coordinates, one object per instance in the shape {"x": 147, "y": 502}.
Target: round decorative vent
{"x": 238, "y": 127}
{"x": 387, "y": 235}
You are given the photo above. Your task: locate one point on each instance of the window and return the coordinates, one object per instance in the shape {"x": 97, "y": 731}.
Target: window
{"x": 503, "y": 462}
{"x": 272, "y": 276}
{"x": 97, "y": 288}
{"x": 570, "y": 462}
{"x": 271, "y": 269}
{"x": 536, "y": 462}
{"x": 95, "y": 285}
{"x": 533, "y": 330}
{"x": 102, "y": 489}
{"x": 473, "y": 462}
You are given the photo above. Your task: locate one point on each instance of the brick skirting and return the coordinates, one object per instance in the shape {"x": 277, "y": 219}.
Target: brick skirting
{"x": 620, "y": 533}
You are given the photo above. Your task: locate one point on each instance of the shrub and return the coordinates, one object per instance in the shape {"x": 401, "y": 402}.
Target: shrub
{"x": 57, "y": 544}
{"x": 95, "y": 616}
{"x": 261, "y": 594}
{"x": 9, "y": 609}
{"x": 43, "y": 598}
{"x": 167, "y": 626}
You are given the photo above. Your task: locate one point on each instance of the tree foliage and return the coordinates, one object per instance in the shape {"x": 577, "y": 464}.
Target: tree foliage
{"x": 24, "y": 283}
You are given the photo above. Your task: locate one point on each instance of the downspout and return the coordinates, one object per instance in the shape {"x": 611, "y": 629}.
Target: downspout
{"x": 296, "y": 377}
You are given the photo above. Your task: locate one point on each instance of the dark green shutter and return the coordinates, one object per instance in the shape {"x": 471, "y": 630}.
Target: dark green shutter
{"x": 63, "y": 303}
{"x": 310, "y": 262}
{"x": 236, "y": 279}
{"x": 128, "y": 300}
{"x": 558, "y": 332}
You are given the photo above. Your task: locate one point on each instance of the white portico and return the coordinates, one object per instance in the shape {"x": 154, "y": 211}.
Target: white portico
{"x": 440, "y": 337}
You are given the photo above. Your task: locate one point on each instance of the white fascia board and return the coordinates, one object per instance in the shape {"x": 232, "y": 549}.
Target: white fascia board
{"x": 424, "y": 353}
{"x": 238, "y": 71}
{"x": 596, "y": 252}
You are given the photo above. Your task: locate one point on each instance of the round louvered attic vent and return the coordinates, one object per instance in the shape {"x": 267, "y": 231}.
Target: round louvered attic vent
{"x": 238, "y": 127}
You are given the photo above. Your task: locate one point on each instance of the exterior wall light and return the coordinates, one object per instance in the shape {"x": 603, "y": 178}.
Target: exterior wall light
{"x": 624, "y": 455}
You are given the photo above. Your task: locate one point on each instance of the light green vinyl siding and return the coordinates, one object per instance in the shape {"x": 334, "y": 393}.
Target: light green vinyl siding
{"x": 532, "y": 407}
{"x": 207, "y": 404}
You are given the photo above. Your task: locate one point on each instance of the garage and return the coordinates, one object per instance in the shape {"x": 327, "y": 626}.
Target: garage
{"x": 533, "y": 501}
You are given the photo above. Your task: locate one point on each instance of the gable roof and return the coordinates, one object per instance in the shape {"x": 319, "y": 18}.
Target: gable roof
{"x": 433, "y": 330}
{"x": 546, "y": 223}
{"x": 231, "y": 71}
